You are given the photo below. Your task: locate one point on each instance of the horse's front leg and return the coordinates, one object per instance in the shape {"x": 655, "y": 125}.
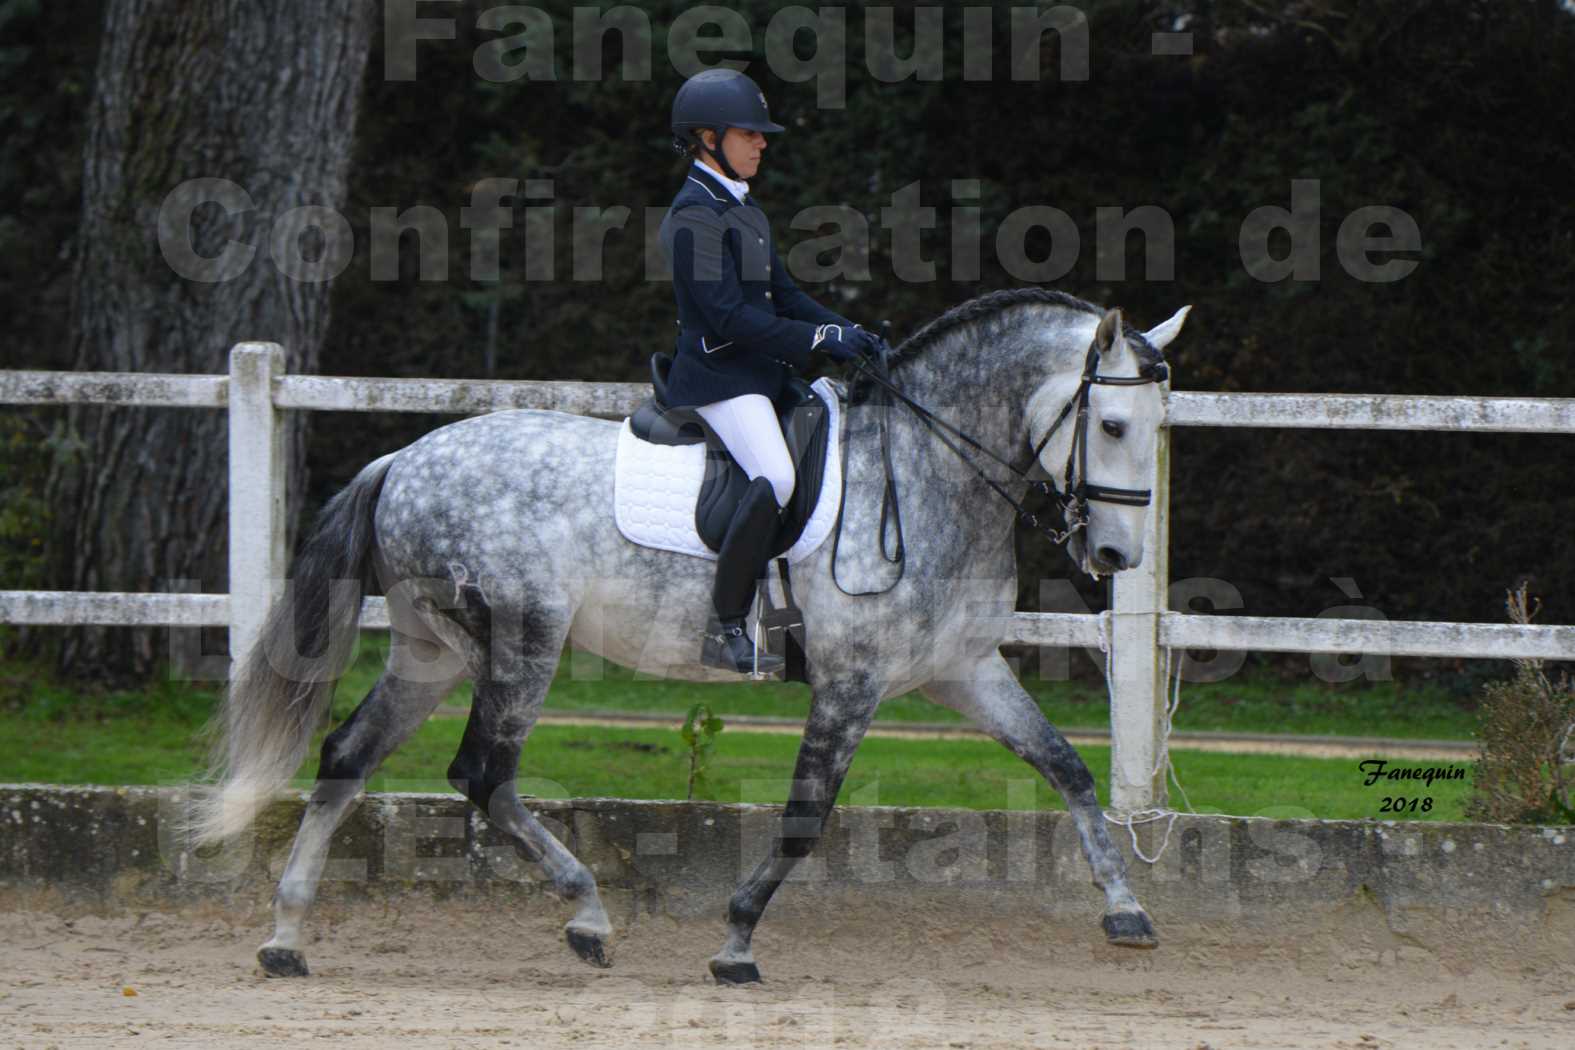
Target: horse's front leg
{"x": 990, "y": 696}
{"x": 838, "y": 716}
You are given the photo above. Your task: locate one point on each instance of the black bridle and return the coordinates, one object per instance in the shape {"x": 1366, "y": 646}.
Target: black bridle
{"x": 1073, "y": 503}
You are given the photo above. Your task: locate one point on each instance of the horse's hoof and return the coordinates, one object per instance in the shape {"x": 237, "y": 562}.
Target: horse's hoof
{"x": 1130, "y": 929}
{"x": 283, "y": 962}
{"x": 590, "y": 948}
{"x": 735, "y": 972}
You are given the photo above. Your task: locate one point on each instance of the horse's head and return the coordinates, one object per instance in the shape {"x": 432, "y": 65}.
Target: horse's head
{"x": 1103, "y": 448}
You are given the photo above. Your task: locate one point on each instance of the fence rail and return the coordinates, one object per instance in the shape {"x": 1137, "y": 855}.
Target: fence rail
{"x": 113, "y": 388}
{"x": 1139, "y": 626}
{"x": 1373, "y": 412}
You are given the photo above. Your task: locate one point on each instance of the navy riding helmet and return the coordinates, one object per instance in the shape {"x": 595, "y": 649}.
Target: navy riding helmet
{"x": 718, "y": 99}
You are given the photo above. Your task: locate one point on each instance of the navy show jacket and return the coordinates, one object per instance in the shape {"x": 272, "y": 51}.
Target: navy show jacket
{"x": 744, "y": 326}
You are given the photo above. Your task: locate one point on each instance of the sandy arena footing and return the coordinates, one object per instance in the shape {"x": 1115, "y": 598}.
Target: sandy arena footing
{"x": 907, "y": 929}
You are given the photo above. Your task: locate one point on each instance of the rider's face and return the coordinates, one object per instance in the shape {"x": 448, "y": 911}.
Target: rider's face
{"x": 741, "y": 148}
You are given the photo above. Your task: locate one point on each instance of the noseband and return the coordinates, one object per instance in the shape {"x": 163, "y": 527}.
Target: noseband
{"x": 1073, "y": 502}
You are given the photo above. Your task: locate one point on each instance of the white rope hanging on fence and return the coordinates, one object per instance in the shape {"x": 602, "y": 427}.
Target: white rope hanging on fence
{"x": 1162, "y": 761}
{"x": 1173, "y": 671}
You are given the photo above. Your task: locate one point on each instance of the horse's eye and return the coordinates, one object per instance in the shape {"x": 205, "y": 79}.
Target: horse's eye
{"x": 1113, "y": 428}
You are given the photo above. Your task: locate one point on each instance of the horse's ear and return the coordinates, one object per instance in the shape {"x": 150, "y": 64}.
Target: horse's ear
{"x": 1161, "y": 335}
{"x": 1108, "y": 336}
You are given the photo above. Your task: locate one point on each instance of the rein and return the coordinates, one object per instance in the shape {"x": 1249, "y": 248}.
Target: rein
{"x": 1073, "y": 503}
{"x": 889, "y": 503}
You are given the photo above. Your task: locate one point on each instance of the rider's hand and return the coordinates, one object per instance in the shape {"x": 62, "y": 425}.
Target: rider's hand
{"x": 847, "y": 344}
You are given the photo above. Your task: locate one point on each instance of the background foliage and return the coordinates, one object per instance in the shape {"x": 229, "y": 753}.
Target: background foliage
{"x": 1457, "y": 112}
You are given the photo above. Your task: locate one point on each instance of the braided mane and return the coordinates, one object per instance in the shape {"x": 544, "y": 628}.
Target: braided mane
{"x": 984, "y": 306}
{"x": 988, "y": 305}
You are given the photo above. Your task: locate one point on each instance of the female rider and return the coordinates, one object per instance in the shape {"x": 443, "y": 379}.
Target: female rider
{"x": 744, "y": 328}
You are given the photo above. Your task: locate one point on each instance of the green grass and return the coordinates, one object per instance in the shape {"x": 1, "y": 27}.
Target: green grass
{"x": 1252, "y": 701}
{"x": 576, "y": 761}
{"x": 53, "y": 733}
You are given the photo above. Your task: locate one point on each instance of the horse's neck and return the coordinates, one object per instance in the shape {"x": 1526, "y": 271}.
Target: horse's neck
{"x": 983, "y": 391}
{"x": 979, "y": 393}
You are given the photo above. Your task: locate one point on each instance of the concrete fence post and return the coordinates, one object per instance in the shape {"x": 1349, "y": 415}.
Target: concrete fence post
{"x": 1137, "y": 704}
{"x": 257, "y": 493}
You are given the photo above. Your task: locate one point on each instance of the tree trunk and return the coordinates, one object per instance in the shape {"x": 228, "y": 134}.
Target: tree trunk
{"x": 264, "y": 95}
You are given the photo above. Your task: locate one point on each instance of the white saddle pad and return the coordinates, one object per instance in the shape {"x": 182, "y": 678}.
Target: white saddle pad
{"x": 655, "y": 488}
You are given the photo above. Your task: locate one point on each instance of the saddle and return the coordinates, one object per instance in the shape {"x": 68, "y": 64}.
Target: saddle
{"x": 805, "y": 427}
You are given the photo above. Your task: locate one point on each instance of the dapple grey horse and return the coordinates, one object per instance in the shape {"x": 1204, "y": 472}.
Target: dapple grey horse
{"x": 495, "y": 540}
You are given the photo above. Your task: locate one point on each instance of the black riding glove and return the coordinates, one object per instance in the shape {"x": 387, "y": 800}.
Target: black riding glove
{"x": 846, "y": 344}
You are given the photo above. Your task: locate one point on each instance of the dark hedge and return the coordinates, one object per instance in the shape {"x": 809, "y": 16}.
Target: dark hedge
{"x": 1458, "y": 113}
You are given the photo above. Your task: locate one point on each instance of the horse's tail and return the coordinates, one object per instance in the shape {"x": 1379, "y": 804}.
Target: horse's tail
{"x": 281, "y": 691}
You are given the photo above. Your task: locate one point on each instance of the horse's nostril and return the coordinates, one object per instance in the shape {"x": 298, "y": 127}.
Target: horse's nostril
{"x": 1112, "y": 557}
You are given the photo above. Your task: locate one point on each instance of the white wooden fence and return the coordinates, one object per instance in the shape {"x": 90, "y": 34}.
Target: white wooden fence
{"x": 1139, "y": 627}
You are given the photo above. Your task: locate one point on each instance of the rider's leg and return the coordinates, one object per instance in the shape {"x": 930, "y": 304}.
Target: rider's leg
{"x": 749, "y": 428}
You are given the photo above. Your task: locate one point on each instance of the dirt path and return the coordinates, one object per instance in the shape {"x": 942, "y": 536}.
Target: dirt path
{"x": 1228, "y": 743}
{"x": 463, "y": 977}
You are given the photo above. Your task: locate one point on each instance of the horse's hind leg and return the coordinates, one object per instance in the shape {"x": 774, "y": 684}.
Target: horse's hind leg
{"x": 994, "y": 700}
{"x": 395, "y": 708}
{"x": 503, "y": 711}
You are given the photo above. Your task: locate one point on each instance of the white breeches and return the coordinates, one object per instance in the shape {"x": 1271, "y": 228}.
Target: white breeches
{"x": 748, "y": 426}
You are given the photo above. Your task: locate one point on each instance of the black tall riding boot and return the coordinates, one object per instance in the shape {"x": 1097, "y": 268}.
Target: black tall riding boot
{"x": 745, "y": 552}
